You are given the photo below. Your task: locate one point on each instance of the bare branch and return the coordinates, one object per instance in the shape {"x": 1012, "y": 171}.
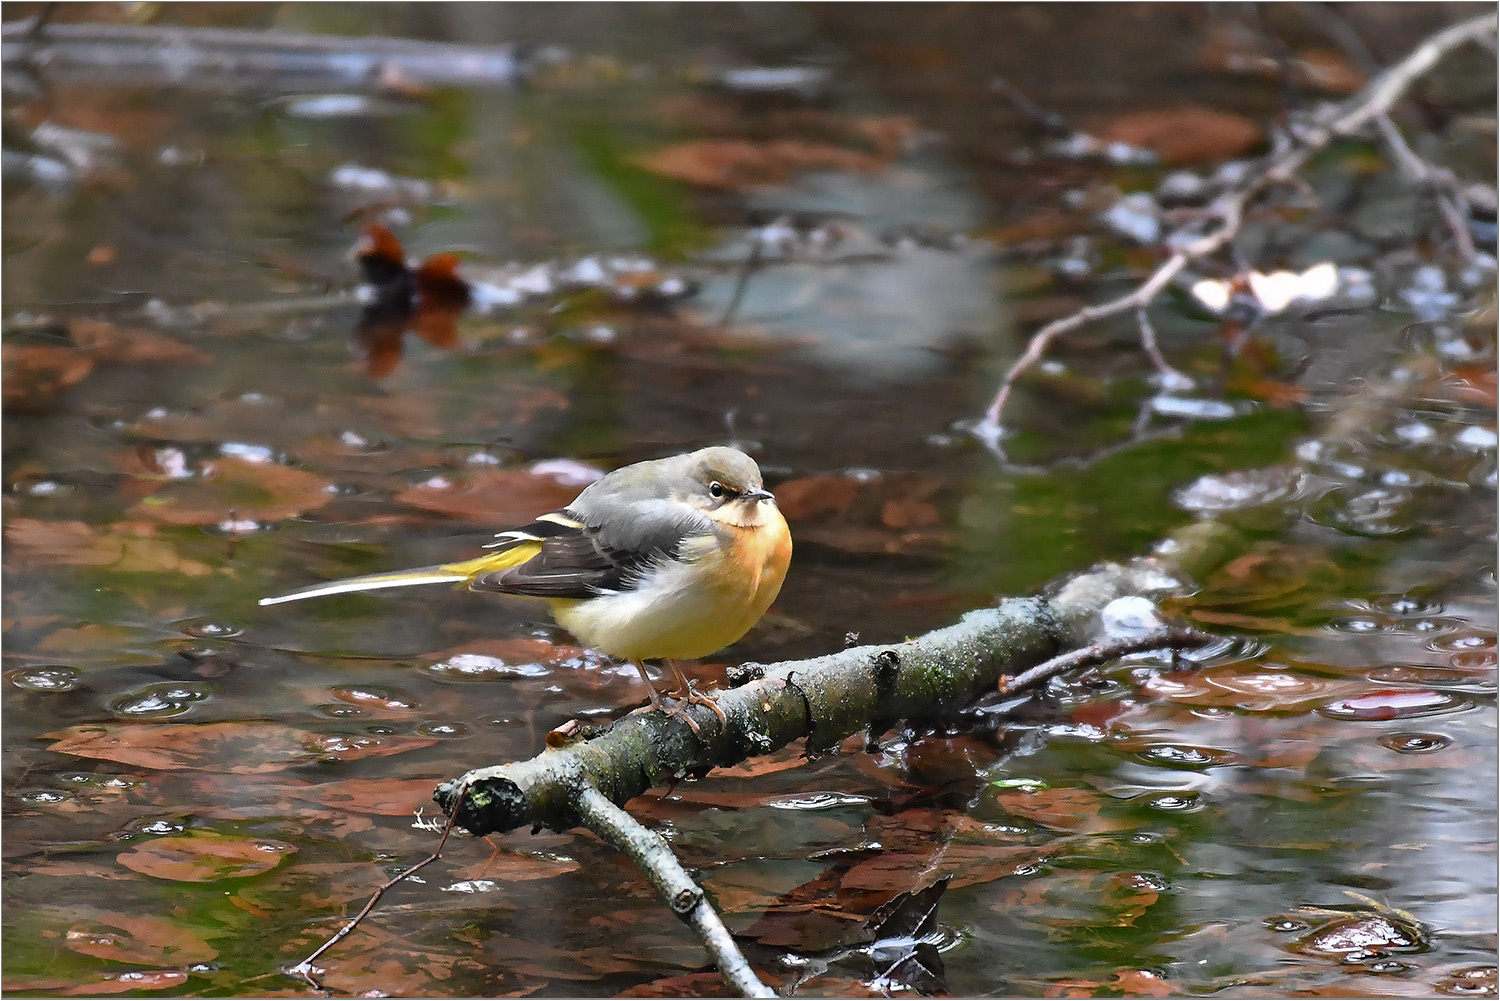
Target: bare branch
{"x": 1228, "y": 209}
{"x": 648, "y": 851}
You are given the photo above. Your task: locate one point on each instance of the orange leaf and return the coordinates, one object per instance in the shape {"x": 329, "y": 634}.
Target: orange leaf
{"x": 205, "y": 857}
{"x": 1186, "y": 135}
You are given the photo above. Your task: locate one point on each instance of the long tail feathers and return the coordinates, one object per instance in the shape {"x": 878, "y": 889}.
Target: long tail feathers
{"x": 447, "y": 573}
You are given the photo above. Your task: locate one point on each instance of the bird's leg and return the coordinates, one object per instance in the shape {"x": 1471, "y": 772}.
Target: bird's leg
{"x": 691, "y": 695}
{"x": 656, "y": 703}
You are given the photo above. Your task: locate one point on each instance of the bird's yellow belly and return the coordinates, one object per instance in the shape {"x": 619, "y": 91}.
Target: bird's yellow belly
{"x": 686, "y": 609}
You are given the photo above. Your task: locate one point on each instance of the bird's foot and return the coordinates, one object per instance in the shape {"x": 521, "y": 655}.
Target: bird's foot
{"x": 693, "y": 697}
{"x": 658, "y": 704}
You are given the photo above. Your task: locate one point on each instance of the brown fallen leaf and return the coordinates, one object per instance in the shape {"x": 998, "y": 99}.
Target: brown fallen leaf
{"x": 34, "y": 374}
{"x": 493, "y": 496}
{"x": 258, "y": 491}
{"x": 108, "y": 342}
{"x": 138, "y": 938}
{"x": 1185, "y": 136}
{"x": 1063, "y": 809}
{"x": 377, "y": 797}
{"x": 235, "y": 747}
{"x": 125, "y": 547}
{"x": 737, "y": 165}
{"x": 131, "y": 980}
{"x": 241, "y": 748}
{"x": 205, "y": 857}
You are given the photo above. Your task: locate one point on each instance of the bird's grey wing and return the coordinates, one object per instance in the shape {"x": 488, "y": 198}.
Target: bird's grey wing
{"x": 608, "y": 548}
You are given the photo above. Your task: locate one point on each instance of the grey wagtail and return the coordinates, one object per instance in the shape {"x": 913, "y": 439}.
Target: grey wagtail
{"x": 659, "y": 560}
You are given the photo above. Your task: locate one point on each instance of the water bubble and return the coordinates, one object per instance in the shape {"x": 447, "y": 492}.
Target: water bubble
{"x": 159, "y": 701}
{"x": 1175, "y": 803}
{"x": 1377, "y": 512}
{"x": 211, "y": 630}
{"x": 481, "y": 667}
{"x": 158, "y": 825}
{"x": 1394, "y": 705}
{"x": 1359, "y": 624}
{"x": 44, "y": 796}
{"x": 1181, "y": 756}
{"x": 1218, "y": 492}
{"x": 1472, "y": 660}
{"x": 1154, "y": 881}
{"x": 1416, "y": 743}
{"x": 339, "y": 710}
{"x": 1467, "y": 640}
{"x": 373, "y": 697}
{"x": 1388, "y": 966}
{"x": 380, "y": 730}
{"x": 1286, "y": 924}
{"x": 1407, "y": 605}
{"x": 442, "y": 729}
{"x": 46, "y": 679}
{"x": 1366, "y": 936}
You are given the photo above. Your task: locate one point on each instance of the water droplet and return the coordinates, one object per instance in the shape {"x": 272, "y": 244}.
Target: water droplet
{"x": 372, "y": 697}
{"x": 1394, "y": 705}
{"x": 1213, "y": 493}
{"x": 1406, "y": 605}
{"x": 1175, "y": 803}
{"x": 1286, "y": 924}
{"x": 1359, "y": 624}
{"x": 443, "y": 729}
{"x": 1181, "y": 756}
{"x": 1147, "y": 881}
{"x": 1467, "y": 640}
{"x": 1366, "y": 936}
{"x": 1415, "y": 743}
{"x": 1378, "y": 512}
{"x": 47, "y": 679}
{"x": 480, "y": 667}
{"x": 211, "y": 630}
{"x": 236, "y": 527}
{"x": 158, "y": 825}
{"x": 158, "y": 701}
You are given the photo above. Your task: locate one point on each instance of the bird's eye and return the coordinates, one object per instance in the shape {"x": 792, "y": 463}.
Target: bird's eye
{"x": 716, "y": 489}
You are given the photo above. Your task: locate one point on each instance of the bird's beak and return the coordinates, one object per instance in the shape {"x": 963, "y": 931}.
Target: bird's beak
{"x": 759, "y": 495}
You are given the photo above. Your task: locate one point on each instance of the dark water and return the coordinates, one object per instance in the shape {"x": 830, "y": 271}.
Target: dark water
{"x": 199, "y": 790}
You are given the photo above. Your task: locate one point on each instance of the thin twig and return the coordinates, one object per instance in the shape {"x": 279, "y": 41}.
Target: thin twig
{"x": 1229, "y": 208}
{"x": 1102, "y": 653}
{"x": 1447, "y": 190}
{"x": 757, "y": 243}
{"x": 1168, "y": 377}
{"x": 648, "y": 851}
{"x": 305, "y": 969}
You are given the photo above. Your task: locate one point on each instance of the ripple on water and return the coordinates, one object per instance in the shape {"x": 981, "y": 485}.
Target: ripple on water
{"x": 1416, "y": 743}
{"x": 1380, "y": 511}
{"x": 159, "y": 701}
{"x": 46, "y": 679}
{"x": 1388, "y": 705}
{"x": 374, "y": 697}
{"x": 481, "y": 667}
{"x": 1182, "y": 756}
{"x": 204, "y": 629}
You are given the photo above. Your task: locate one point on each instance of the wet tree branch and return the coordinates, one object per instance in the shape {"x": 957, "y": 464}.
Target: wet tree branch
{"x": 824, "y": 700}
{"x": 648, "y": 851}
{"x": 1227, "y": 211}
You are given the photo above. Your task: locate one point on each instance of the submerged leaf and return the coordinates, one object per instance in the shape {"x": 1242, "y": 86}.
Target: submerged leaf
{"x": 204, "y": 857}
